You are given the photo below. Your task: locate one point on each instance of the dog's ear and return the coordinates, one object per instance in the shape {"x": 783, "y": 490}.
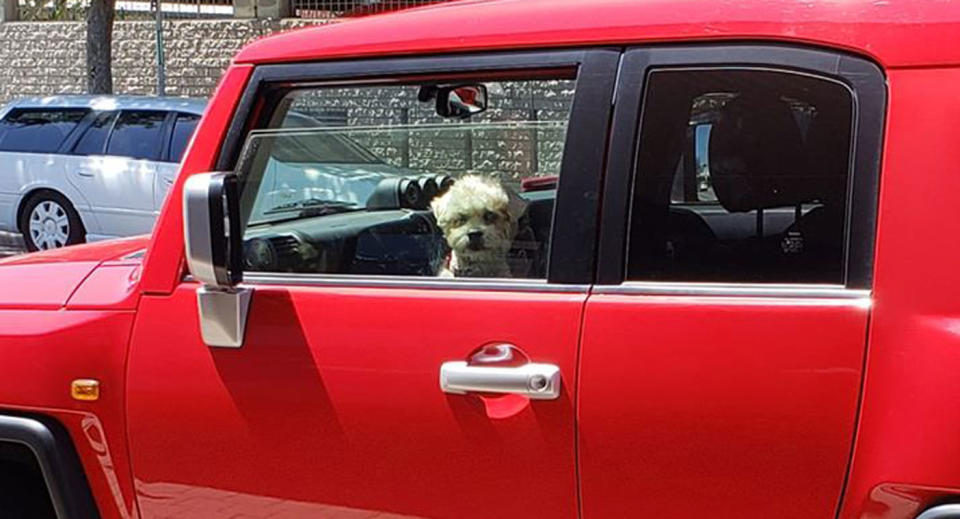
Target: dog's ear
{"x": 439, "y": 207}
{"x": 516, "y": 205}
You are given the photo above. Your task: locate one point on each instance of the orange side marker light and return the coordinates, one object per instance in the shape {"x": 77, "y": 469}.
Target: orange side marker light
{"x": 85, "y": 389}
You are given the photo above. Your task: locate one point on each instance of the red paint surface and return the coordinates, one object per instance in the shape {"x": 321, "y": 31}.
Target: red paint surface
{"x": 333, "y": 403}
{"x": 714, "y": 406}
{"x": 910, "y": 424}
{"x": 41, "y": 352}
{"x": 113, "y": 287}
{"x": 744, "y": 408}
{"x": 898, "y": 33}
{"x": 41, "y": 285}
{"x": 96, "y": 252}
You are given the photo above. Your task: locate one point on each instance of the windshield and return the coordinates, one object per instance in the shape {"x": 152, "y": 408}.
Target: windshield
{"x": 291, "y": 173}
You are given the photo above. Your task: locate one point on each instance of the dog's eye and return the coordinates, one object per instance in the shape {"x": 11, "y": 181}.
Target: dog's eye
{"x": 459, "y": 220}
{"x": 490, "y": 217}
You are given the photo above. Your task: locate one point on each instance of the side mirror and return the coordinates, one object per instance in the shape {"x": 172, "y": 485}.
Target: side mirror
{"x": 212, "y": 229}
{"x": 461, "y": 101}
{"x": 214, "y": 251}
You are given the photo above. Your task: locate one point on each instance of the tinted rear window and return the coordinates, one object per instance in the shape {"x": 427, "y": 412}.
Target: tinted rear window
{"x": 137, "y": 135}
{"x": 38, "y": 130}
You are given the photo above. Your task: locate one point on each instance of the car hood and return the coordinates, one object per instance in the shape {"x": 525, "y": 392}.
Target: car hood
{"x": 47, "y": 279}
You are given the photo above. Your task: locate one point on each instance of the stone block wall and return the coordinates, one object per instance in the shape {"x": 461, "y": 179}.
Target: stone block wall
{"x": 520, "y": 135}
{"x": 45, "y": 58}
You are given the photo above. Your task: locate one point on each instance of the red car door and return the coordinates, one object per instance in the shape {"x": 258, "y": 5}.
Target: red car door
{"x": 722, "y": 351}
{"x": 333, "y": 405}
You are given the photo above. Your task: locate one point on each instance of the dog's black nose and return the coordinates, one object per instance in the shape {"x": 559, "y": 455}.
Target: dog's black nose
{"x": 476, "y": 239}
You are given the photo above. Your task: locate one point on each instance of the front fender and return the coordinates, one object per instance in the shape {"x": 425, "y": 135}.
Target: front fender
{"x": 41, "y": 352}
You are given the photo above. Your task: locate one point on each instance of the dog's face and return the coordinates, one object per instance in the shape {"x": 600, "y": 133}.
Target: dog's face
{"x": 478, "y": 218}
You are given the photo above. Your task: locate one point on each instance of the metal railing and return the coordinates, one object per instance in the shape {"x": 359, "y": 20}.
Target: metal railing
{"x": 327, "y": 9}
{"x": 76, "y": 10}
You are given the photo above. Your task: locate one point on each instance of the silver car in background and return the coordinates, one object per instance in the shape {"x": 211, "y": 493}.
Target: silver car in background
{"x": 87, "y": 168}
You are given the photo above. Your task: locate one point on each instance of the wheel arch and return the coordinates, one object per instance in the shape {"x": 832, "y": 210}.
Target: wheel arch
{"x": 36, "y": 190}
{"x": 57, "y": 459}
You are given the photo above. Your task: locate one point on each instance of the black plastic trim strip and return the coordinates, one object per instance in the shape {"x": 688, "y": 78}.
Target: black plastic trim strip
{"x": 166, "y": 136}
{"x": 863, "y": 77}
{"x": 59, "y": 463}
{"x": 219, "y": 245}
{"x": 576, "y": 213}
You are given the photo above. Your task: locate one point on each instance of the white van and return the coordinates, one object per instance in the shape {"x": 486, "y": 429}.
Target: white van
{"x": 86, "y": 168}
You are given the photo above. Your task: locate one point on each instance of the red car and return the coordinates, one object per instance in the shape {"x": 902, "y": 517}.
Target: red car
{"x": 736, "y": 298}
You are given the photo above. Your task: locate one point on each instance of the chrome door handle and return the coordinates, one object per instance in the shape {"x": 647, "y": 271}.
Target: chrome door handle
{"x": 85, "y": 173}
{"x": 533, "y": 380}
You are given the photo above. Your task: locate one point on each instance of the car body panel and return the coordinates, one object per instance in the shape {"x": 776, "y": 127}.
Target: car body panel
{"x": 896, "y": 33}
{"x": 108, "y": 251}
{"x": 165, "y": 177}
{"x": 109, "y": 287}
{"x": 48, "y": 279}
{"x": 119, "y": 190}
{"x": 322, "y": 409}
{"x": 906, "y": 456}
{"x": 49, "y": 349}
{"x": 717, "y": 403}
{"x": 26, "y": 173}
{"x": 42, "y": 285}
{"x": 111, "y": 102}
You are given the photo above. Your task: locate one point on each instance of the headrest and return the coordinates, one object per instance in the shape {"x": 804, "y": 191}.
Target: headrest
{"x": 827, "y": 158}
{"x": 756, "y": 154}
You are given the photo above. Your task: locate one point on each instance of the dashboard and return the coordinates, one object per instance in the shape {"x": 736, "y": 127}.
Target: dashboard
{"x": 388, "y": 242}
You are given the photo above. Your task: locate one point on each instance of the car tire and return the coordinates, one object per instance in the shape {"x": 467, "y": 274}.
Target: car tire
{"x": 49, "y": 221}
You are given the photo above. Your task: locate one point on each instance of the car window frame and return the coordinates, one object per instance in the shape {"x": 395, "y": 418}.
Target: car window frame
{"x": 576, "y": 207}
{"x": 862, "y": 77}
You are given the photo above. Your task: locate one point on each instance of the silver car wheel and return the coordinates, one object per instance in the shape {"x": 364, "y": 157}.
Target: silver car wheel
{"x": 49, "y": 225}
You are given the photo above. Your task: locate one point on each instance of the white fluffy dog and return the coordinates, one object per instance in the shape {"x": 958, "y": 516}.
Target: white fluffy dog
{"x": 478, "y": 218}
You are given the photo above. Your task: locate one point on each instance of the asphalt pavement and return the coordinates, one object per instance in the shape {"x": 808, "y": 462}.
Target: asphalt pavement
{"x": 10, "y": 244}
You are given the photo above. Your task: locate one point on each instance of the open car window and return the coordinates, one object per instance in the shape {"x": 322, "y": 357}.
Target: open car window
{"x": 343, "y": 185}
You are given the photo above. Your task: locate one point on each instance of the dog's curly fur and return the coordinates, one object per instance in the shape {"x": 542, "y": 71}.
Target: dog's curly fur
{"x": 478, "y": 217}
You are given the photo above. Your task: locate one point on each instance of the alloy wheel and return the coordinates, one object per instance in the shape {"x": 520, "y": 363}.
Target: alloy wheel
{"x": 49, "y": 225}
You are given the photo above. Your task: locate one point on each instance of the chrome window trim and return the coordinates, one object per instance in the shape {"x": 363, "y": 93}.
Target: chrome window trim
{"x": 414, "y": 282}
{"x": 733, "y": 290}
{"x": 642, "y": 288}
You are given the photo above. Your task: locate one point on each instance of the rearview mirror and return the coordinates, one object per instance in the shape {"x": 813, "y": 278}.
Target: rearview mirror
{"x": 461, "y": 101}
{"x": 214, "y": 251}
